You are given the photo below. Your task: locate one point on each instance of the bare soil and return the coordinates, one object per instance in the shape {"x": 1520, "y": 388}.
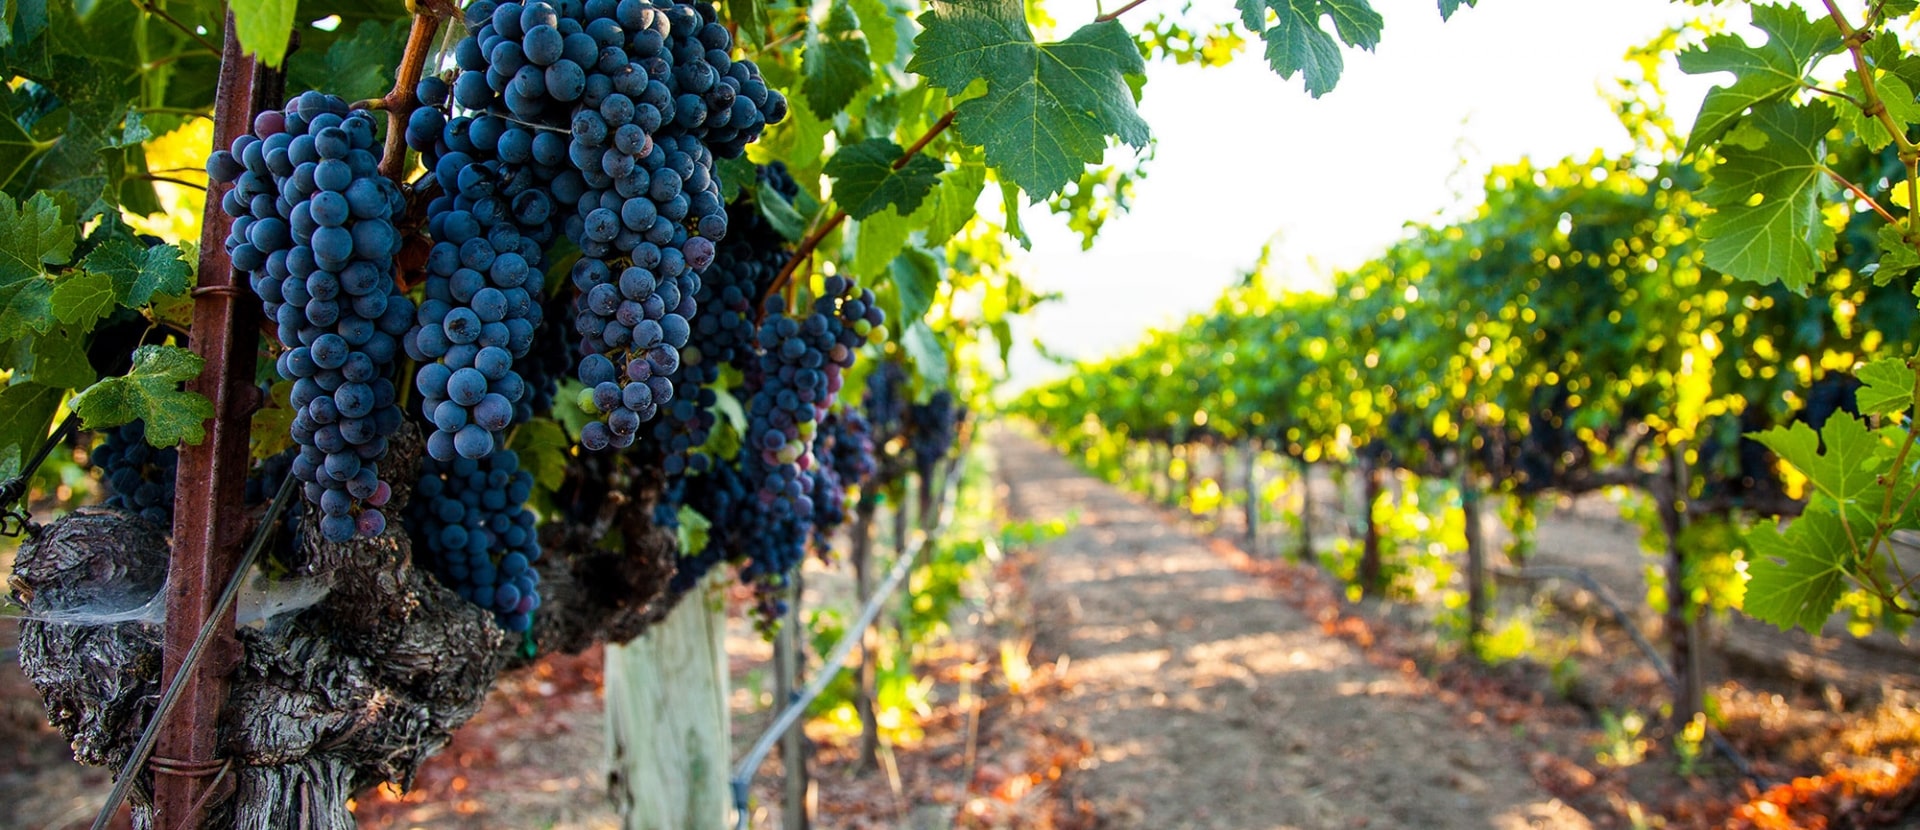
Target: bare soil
{"x": 1212, "y": 703}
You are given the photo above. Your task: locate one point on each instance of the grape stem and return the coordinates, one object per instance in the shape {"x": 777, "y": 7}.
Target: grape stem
{"x": 1117, "y": 12}
{"x": 161, "y": 13}
{"x": 401, "y": 102}
{"x": 1862, "y": 194}
{"x": 812, "y": 241}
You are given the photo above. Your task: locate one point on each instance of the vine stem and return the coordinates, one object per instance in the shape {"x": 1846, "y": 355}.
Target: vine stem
{"x": 161, "y": 13}
{"x": 813, "y": 240}
{"x": 1117, "y": 12}
{"x": 1862, "y": 194}
{"x": 401, "y": 102}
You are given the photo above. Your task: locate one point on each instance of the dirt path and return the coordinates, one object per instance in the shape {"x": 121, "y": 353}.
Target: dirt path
{"x": 1212, "y": 704}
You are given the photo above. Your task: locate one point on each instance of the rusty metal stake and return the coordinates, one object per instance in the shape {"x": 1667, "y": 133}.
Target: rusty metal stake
{"x": 208, "y": 537}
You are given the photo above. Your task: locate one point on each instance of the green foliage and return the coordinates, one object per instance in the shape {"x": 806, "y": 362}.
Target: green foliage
{"x": 1047, "y": 108}
{"x": 836, "y": 59}
{"x": 1763, "y": 74}
{"x": 150, "y": 392}
{"x": 865, "y": 181}
{"x": 1767, "y": 194}
{"x": 264, "y": 26}
{"x": 1297, "y": 43}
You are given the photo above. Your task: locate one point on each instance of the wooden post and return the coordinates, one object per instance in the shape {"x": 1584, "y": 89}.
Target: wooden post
{"x": 667, "y": 728}
{"x": 207, "y": 539}
{"x": 1476, "y": 556}
{"x": 1307, "y": 554}
{"x": 1370, "y": 569}
{"x": 1250, "y": 465}
{"x": 869, "y": 637}
{"x": 788, "y": 648}
{"x": 1683, "y": 626}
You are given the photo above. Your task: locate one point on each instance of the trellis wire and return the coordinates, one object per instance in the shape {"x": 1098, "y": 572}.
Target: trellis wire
{"x": 750, "y": 763}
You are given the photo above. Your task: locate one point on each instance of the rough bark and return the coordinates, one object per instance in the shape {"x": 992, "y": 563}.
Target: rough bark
{"x": 356, "y": 690}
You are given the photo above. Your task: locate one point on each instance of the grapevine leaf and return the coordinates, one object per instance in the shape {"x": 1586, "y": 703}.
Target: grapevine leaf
{"x": 750, "y": 19}
{"x": 26, "y": 412}
{"x": 1767, "y": 226}
{"x": 1297, "y": 43}
{"x": 81, "y": 298}
{"x": 150, "y": 391}
{"x": 1448, "y": 7}
{"x": 1798, "y": 575}
{"x": 543, "y": 447}
{"x": 1888, "y": 387}
{"x": 263, "y": 27}
{"x": 1846, "y": 468}
{"x": 693, "y": 531}
{"x": 1897, "y": 257}
{"x": 1010, "y": 206}
{"x": 878, "y": 239}
{"x": 733, "y": 175}
{"x": 32, "y": 235}
{"x": 21, "y": 21}
{"x": 836, "y": 60}
{"x": 865, "y": 181}
{"x": 878, "y": 19}
{"x": 929, "y": 359}
{"x": 779, "y": 212}
{"x": 354, "y": 67}
{"x": 17, "y": 148}
{"x": 268, "y": 430}
{"x": 1899, "y": 101}
{"x": 916, "y": 277}
{"x": 1762, "y": 74}
{"x": 57, "y": 359}
{"x": 1047, "y": 108}
{"x": 730, "y": 408}
{"x": 139, "y": 272}
{"x": 950, "y": 205}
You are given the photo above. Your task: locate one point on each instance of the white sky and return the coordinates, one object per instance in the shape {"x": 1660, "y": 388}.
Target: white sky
{"x": 1244, "y": 156}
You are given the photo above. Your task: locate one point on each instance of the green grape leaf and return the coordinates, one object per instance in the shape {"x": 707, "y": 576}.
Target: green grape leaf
{"x": 32, "y": 235}
{"x": 836, "y": 60}
{"x": 1897, "y": 257}
{"x": 264, "y": 27}
{"x": 268, "y": 430}
{"x": 57, "y": 359}
{"x": 81, "y": 298}
{"x": 951, "y": 204}
{"x": 1296, "y": 43}
{"x": 865, "y": 181}
{"x": 151, "y": 392}
{"x": 877, "y": 240}
{"x": 1010, "y": 206}
{"x": 1798, "y": 576}
{"x": 26, "y": 413}
{"x": 779, "y": 212}
{"x": 733, "y": 174}
{"x": 21, "y": 21}
{"x": 1847, "y": 466}
{"x": 750, "y": 21}
{"x": 730, "y": 409}
{"x": 929, "y": 359}
{"x": 355, "y": 66}
{"x": 1047, "y": 108}
{"x": 139, "y": 272}
{"x": 1898, "y": 98}
{"x": 1888, "y": 387}
{"x": 543, "y": 449}
{"x": 916, "y": 277}
{"x": 878, "y": 19}
{"x": 1762, "y": 74}
{"x": 1766, "y": 225}
{"x": 1448, "y": 7}
{"x": 17, "y": 147}
{"x": 693, "y": 531}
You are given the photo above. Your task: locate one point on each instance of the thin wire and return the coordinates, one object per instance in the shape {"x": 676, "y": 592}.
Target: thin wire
{"x": 750, "y": 763}
{"x": 123, "y": 783}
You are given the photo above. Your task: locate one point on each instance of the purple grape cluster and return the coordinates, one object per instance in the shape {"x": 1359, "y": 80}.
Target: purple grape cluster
{"x": 139, "y": 476}
{"x": 479, "y": 537}
{"x": 313, "y": 230}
